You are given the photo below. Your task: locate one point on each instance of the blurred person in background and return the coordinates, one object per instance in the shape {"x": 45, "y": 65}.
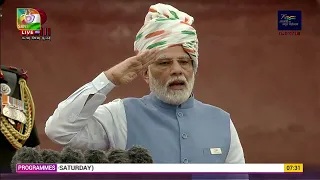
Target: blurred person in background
{"x": 18, "y": 127}
{"x": 169, "y": 122}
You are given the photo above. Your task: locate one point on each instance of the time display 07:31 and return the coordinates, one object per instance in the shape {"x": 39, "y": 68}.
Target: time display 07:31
{"x": 293, "y": 167}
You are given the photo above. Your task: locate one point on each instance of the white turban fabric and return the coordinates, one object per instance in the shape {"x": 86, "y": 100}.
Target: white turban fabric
{"x": 166, "y": 26}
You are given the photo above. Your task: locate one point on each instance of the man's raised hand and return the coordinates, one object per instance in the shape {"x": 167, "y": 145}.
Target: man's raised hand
{"x": 129, "y": 69}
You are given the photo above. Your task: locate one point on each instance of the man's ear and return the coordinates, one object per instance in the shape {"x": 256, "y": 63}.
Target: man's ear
{"x": 145, "y": 75}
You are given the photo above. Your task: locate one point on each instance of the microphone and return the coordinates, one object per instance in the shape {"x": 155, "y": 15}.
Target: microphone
{"x": 50, "y": 156}
{"x": 69, "y": 155}
{"x": 118, "y": 156}
{"x": 2, "y": 2}
{"x": 139, "y": 154}
{"x": 95, "y": 156}
{"x": 25, "y": 155}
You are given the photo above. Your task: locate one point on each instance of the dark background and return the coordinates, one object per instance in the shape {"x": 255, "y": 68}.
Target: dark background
{"x": 269, "y": 83}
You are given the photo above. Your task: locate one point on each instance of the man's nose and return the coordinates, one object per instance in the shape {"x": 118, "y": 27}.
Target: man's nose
{"x": 176, "y": 68}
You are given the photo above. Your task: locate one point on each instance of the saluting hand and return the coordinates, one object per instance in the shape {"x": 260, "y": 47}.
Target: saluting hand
{"x": 128, "y": 70}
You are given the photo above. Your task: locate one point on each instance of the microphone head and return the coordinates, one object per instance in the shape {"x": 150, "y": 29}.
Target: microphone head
{"x": 2, "y": 2}
{"x": 95, "y": 156}
{"x": 139, "y": 154}
{"x": 70, "y": 155}
{"x": 50, "y": 156}
{"x": 118, "y": 156}
{"x": 25, "y": 155}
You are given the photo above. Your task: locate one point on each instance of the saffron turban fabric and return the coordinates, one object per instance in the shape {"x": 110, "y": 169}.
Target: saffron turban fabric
{"x": 164, "y": 27}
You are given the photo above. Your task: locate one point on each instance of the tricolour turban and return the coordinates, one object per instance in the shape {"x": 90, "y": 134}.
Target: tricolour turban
{"x": 166, "y": 26}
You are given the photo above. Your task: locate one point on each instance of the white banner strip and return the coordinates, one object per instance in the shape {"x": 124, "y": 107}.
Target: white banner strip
{"x": 172, "y": 168}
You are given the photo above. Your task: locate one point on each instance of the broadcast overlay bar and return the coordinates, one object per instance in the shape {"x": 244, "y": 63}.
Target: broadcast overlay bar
{"x": 159, "y": 168}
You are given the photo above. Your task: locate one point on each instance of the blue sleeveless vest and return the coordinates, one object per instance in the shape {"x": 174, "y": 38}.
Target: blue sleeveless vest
{"x": 190, "y": 133}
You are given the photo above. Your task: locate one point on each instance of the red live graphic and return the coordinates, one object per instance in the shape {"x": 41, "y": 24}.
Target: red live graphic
{"x": 42, "y": 32}
{"x": 26, "y": 32}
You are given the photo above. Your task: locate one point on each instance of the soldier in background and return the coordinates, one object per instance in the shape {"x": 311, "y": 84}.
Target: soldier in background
{"x": 17, "y": 115}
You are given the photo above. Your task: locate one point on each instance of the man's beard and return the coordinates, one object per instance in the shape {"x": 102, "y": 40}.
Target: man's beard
{"x": 170, "y": 96}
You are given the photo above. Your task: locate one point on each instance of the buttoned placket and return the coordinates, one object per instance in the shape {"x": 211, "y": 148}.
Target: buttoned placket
{"x": 183, "y": 135}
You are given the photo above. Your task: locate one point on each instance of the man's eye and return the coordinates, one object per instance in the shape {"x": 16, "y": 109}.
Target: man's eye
{"x": 185, "y": 61}
{"x": 163, "y": 63}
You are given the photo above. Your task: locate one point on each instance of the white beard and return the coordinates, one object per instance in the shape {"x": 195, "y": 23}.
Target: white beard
{"x": 174, "y": 97}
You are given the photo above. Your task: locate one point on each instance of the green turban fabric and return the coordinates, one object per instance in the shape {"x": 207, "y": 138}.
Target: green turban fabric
{"x": 166, "y": 26}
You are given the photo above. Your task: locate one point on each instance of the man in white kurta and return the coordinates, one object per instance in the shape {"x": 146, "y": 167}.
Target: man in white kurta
{"x": 170, "y": 122}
